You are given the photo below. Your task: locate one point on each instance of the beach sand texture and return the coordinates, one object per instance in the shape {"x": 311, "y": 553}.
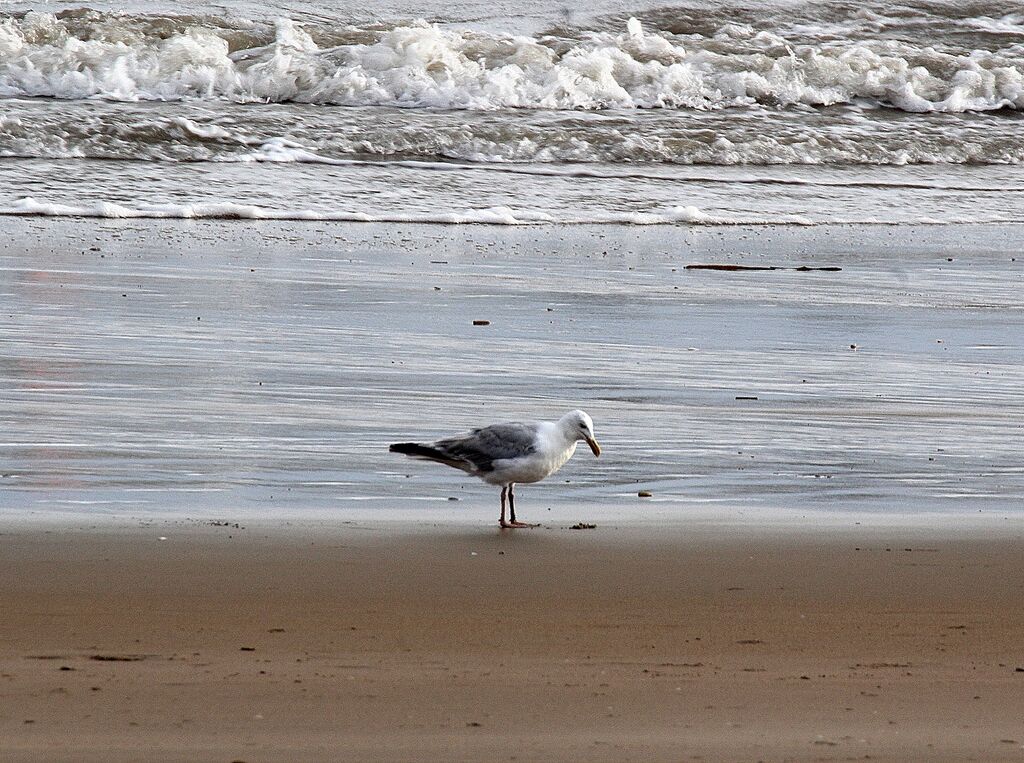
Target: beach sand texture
{"x": 324, "y": 642}
{"x": 804, "y": 584}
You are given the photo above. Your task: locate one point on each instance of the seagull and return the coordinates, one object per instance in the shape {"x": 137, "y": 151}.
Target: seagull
{"x": 504, "y": 454}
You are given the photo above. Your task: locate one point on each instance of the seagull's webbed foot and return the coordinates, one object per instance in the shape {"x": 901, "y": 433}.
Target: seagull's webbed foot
{"x": 506, "y": 490}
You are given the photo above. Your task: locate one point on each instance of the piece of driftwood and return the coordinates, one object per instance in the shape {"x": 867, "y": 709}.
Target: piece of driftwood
{"x": 801, "y": 269}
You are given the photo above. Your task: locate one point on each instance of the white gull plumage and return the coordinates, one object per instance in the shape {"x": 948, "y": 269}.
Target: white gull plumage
{"x": 504, "y": 454}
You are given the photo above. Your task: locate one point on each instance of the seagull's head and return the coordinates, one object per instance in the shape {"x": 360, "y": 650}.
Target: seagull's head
{"x": 580, "y": 426}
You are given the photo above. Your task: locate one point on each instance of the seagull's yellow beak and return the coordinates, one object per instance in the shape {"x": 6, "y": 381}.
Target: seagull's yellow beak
{"x": 594, "y": 446}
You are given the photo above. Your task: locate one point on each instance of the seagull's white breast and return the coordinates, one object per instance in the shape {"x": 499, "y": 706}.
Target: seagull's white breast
{"x": 550, "y": 453}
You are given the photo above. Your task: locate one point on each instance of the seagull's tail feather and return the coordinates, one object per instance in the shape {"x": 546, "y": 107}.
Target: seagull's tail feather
{"x": 416, "y": 450}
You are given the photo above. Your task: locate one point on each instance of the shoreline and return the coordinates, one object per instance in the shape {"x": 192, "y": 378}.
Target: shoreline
{"x": 613, "y": 525}
{"x": 487, "y": 217}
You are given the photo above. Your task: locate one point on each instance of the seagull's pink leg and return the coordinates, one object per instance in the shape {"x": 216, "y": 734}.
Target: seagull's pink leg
{"x": 501, "y": 520}
{"x": 512, "y": 509}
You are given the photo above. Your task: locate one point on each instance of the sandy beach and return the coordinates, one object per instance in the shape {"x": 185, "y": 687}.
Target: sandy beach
{"x": 209, "y": 554}
{"x": 377, "y": 642}
{"x": 767, "y": 254}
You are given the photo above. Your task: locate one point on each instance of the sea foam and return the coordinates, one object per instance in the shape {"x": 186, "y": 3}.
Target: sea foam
{"x": 495, "y": 215}
{"x": 422, "y": 65}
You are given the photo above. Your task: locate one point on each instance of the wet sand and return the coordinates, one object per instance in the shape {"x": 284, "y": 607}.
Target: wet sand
{"x": 216, "y": 368}
{"x": 379, "y": 642}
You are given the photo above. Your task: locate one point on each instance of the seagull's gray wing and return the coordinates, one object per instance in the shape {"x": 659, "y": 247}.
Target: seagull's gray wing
{"x": 482, "y": 447}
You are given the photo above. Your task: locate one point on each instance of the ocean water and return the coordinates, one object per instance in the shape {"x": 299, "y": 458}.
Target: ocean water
{"x": 515, "y": 112}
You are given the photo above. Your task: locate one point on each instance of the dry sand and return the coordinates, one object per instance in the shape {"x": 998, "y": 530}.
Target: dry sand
{"x": 374, "y": 642}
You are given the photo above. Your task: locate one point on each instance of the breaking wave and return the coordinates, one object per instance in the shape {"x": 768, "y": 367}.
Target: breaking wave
{"x": 103, "y": 130}
{"x": 86, "y": 54}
